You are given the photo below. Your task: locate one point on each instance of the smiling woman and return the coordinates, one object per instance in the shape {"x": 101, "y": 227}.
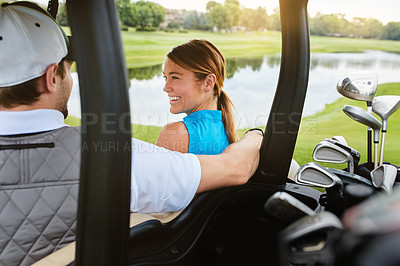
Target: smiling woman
{"x": 194, "y": 74}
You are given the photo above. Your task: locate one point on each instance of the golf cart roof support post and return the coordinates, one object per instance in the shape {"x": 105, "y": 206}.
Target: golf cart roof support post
{"x": 104, "y": 192}
{"x": 285, "y": 115}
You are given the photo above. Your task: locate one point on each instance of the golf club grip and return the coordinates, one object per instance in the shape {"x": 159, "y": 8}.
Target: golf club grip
{"x": 369, "y": 147}
{"x": 382, "y": 148}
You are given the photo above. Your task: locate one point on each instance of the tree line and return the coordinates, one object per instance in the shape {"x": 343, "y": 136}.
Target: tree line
{"x": 338, "y": 25}
{"x": 145, "y": 15}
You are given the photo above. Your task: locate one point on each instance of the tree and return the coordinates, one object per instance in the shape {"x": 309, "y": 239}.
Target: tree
{"x": 260, "y": 19}
{"x": 255, "y": 19}
{"x": 247, "y": 18}
{"x": 142, "y": 13}
{"x": 373, "y": 28}
{"x": 127, "y": 12}
{"x": 391, "y": 31}
{"x": 274, "y": 21}
{"x": 210, "y": 5}
{"x": 220, "y": 17}
{"x": 324, "y": 25}
{"x": 233, "y": 7}
{"x": 196, "y": 20}
{"x": 149, "y": 14}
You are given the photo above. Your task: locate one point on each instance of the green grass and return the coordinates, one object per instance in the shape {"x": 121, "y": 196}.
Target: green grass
{"x": 150, "y": 48}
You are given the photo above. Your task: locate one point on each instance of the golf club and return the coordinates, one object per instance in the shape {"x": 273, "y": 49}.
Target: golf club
{"x": 329, "y": 152}
{"x": 360, "y": 115}
{"x": 313, "y": 174}
{"x": 384, "y": 176}
{"x": 350, "y": 178}
{"x": 307, "y": 195}
{"x": 385, "y": 106}
{"x": 361, "y": 87}
{"x": 340, "y": 139}
{"x": 310, "y": 240}
{"x": 353, "y": 152}
{"x": 286, "y": 208}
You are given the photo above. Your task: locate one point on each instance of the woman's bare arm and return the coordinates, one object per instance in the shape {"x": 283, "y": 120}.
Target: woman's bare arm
{"x": 234, "y": 166}
{"x": 174, "y": 137}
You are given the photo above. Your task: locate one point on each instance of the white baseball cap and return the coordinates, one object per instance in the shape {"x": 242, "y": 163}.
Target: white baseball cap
{"x": 30, "y": 41}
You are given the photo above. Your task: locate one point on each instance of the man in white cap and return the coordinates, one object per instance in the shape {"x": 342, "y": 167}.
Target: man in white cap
{"x": 41, "y": 154}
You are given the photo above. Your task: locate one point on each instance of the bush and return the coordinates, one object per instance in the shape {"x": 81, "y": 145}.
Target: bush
{"x": 124, "y": 28}
{"x": 183, "y": 31}
{"x": 168, "y": 30}
{"x": 139, "y": 28}
{"x": 173, "y": 25}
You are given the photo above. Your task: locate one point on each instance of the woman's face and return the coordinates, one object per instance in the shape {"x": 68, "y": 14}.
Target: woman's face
{"x": 186, "y": 94}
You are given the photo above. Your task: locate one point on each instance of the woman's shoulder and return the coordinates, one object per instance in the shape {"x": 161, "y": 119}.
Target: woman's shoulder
{"x": 174, "y": 136}
{"x": 177, "y": 127}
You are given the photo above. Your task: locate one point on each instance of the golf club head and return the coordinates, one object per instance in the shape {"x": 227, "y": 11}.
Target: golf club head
{"x": 340, "y": 139}
{"x": 353, "y": 152}
{"x": 350, "y": 178}
{"x": 384, "y": 177}
{"x": 286, "y": 208}
{"x": 362, "y": 116}
{"x": 294, "y": 166}
{"x": 385, "y": 106}
{"x": 313, "y": 174}
{"x": 310, "y": 240}
{"x": 329, "y": 152}
{"x": 358, "y": 86}
{"x": 307, "y": 195}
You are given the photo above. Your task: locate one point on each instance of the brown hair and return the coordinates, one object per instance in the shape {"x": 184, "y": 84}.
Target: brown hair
{"x": 25, "y": 93}
{"x": 203, "y": 58}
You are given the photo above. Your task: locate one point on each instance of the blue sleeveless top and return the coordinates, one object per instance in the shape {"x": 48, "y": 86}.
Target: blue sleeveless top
{"x": 206, "y": 132}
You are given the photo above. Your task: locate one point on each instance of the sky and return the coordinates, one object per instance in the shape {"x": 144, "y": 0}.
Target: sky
{"x": 383, "y": 10}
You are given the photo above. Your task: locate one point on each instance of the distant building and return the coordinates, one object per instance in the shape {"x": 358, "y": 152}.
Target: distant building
{"x": 174, "y": 15}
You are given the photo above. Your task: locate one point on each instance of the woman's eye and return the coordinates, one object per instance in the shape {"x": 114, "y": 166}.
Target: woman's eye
{"x": 175, "y": 77}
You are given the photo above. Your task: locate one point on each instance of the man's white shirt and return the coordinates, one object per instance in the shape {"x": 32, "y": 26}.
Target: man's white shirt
{"x": 161, "y": 180}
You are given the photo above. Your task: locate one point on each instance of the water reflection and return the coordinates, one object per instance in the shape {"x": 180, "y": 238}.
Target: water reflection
{"x": 144, "y": 73}
{"x": 251, "y": 84}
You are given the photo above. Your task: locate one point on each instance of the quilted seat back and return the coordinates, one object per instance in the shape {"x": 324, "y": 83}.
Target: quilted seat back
{"x": 39, "y": 182}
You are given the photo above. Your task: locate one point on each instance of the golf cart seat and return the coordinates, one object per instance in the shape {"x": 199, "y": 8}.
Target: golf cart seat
{"x": 38, "y": 198}
{"x": 66, "y": 255}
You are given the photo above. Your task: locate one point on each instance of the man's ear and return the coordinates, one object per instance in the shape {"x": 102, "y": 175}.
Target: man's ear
{"x": 51, "y": 77}
{"x": 209, "y": 82}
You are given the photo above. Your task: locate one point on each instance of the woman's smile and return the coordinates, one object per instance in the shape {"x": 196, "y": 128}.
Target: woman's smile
{"x": 174, "y": 99}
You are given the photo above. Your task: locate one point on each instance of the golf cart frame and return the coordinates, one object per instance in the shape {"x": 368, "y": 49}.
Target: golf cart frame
{"x": 218, "y": 227}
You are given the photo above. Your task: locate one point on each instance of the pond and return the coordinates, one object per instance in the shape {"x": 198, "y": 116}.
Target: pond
{"x": 251, "y": 85}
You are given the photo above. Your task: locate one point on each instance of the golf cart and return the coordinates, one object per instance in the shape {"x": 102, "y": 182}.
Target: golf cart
{"x": 224, "y": 226}
{"x": 218, "y": 227}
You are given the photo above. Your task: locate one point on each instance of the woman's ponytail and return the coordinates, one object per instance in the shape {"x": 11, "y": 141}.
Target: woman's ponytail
{"x": 226, "y": 106}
